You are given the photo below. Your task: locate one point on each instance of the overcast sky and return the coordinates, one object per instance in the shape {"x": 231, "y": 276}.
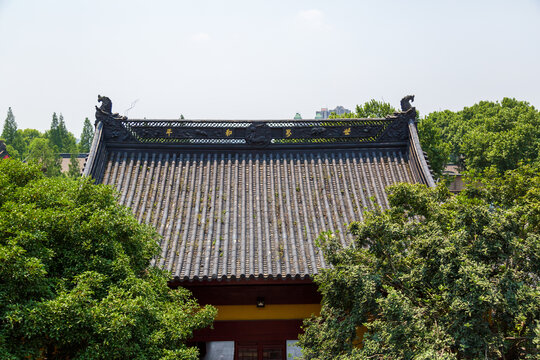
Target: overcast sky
{"x": 261, "y": 59}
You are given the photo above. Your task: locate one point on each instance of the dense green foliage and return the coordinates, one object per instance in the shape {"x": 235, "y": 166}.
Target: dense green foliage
{"x": 437, "y": 276}
{"x": 74, "y": 170}
{"x": 19, "y": 141}
{"x": 9, "y": 131}
{"x": 487, "y": 134}
{"x": 41, "y": 153}
{"x": 11, "y": 136}
{"x": 59, "y": 137}
{"x": 44, "y": 148}
{"x": 431, "y": 140}
{"x": 87, "y": 136}
{"x": 374, "y": 109}
{"x": 370, "y": 109}
{"x": 75, "y": 276}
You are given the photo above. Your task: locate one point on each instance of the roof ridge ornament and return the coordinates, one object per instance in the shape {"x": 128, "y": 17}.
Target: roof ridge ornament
{"x": 399, "y": 128}
{"x": 406, "y": 103}
{"x": 112, "y": 122}
{"x": 106, "y": 104}
{"x": 258, "y": 134}
{"x": 106, "y": 108}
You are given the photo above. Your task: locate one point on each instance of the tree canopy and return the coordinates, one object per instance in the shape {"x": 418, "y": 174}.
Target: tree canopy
{"x": 60, "y": 137}
{"x": 10, "y": 127}
{"x": 487, "y": 134}
{"x": 87, "y": 136}
{"x": 12, "y": 136}
{"x": 41, "y": 153}
{"x": 75, "y": 274}
{"x": 436, "y": 276}
{"x": 370, "y": 109}
{"x": 374, "y": 109}
{"x": 44, "y": 148}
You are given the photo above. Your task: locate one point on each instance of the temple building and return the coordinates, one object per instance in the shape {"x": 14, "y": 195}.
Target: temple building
{"x": 239, "y": 205}
{"x": 3, "y": 150}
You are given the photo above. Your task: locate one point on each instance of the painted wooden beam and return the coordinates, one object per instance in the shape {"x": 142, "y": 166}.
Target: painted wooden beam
{"x": 269, "y": 312}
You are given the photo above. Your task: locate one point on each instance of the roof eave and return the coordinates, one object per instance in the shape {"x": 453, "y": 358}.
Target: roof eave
{"x": 96, "y": 151}
{"x": 417, "y": 155}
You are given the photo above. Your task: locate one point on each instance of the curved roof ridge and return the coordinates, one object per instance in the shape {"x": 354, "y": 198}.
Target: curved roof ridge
{"x": 419, "y": 157}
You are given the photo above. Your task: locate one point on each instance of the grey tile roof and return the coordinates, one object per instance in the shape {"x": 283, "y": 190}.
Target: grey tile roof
{"x": 236, "y": 199}
{"x": 251, "y": 213}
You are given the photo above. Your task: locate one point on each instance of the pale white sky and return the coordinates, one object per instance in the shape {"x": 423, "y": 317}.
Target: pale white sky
{"x": 261, "y": 59}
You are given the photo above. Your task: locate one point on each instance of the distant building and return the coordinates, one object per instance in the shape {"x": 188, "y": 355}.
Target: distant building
{"x": 65, "y": 160}
{"x": 325, "y": 112}
{"x": 340, "y": 110}
{"x": 457, "y": 181}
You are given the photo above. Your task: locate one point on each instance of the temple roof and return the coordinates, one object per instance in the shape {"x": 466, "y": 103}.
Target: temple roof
{"x": 3, "y": 150}
{"x": 235, "y": 199}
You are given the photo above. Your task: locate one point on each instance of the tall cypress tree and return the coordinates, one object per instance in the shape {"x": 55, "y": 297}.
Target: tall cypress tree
{"x": 59, "y": 136}
{"x": 54, "y": 135}
{"x": 13, "y": 137}
{"x": 62, "y": 133}
{"x": 10, "y": 128}
{"x": 87, "y": 136}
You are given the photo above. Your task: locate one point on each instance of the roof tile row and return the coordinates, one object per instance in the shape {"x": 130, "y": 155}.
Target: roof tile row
{"x": 251, "y": 214}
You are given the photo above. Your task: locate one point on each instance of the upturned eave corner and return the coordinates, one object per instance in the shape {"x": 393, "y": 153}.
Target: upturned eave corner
{"x": 97, "y": 153}
{"x": 92, "y": 160}
{"x": 418, "y": 157}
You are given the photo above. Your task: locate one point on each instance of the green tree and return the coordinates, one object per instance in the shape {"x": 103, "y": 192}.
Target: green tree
{"x": 436, "y": 277}
{"x": 12, "y": 137}
{"x": 60, "y": 138}
{"x": 75, "y": 275}
{"x": 10, "y": 127}
{"x": 54, "y": 133}
{"x": 41, "y": 153}
{"x": 370, "y": 109}
{"x": 487, "y": 134}
{"x": 74, "y": 168}
{"x": 87, "y": 136}
{"x": 438, "y": 151}
{"x": 374, "y": 109}
{"x": 27, "y": 136}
